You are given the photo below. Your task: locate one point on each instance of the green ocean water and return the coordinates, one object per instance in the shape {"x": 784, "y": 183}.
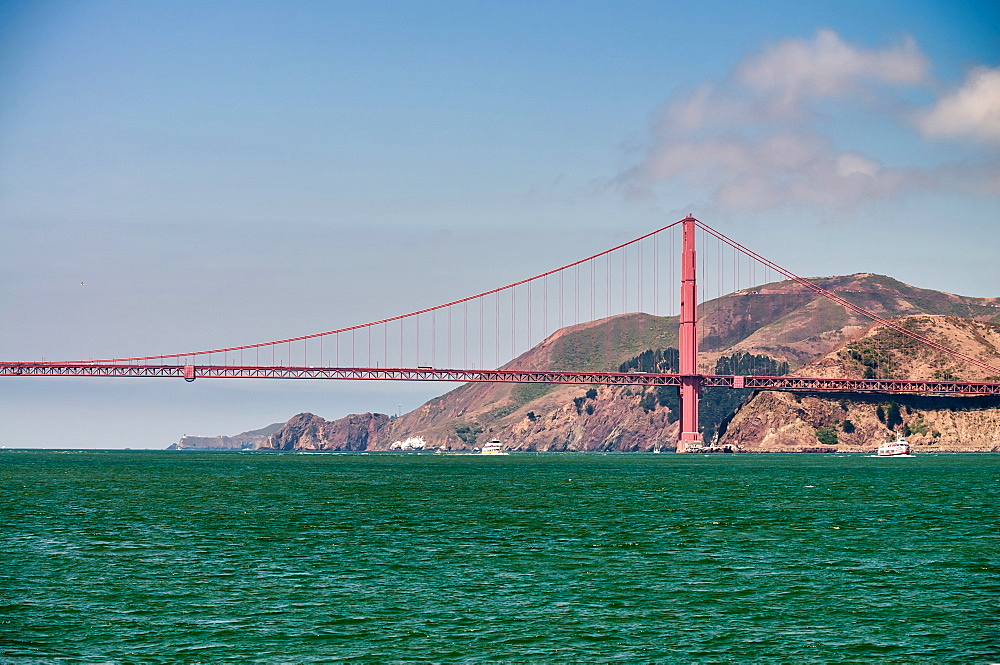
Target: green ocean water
{"x": 208, "y": 557}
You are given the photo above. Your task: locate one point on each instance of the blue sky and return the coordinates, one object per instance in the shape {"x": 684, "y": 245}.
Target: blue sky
{"x": 221, "y": 173}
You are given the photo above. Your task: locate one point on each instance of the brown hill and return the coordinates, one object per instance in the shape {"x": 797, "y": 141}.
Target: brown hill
{"x": 787, "y": 422}
{"x": 783, "y": 320}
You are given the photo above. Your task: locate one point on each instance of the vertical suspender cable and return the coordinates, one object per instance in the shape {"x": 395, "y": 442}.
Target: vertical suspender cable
{"x": 671, "y": 291}
{"x": 576, "y": 293}
{"x": 607, "y": 291}
{"x": 639, "y": 276}
{"x": 656, "y": 275}
{"x": 624, "y": 279}
{"x": 545, "y": 306}
{"x": 529, "y": 313}
{"x": 593, "y": 306}
{"x": 513, "y": 322}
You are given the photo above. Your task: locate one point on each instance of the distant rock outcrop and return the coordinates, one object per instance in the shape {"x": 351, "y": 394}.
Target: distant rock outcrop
{"x": 307, "y": 431}
{"x": 244, "y": 441}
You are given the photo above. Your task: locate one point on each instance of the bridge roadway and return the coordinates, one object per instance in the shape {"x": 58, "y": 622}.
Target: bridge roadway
{"x": 782, "y": 383}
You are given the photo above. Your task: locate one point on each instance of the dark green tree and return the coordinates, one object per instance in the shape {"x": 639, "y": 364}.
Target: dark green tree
{"x": 658, "y": 360}
{"x": 892, "y": 417}
{"x": 668, "y": 396}
{"x": 827, "y": 435}
{"x": 469, "y": 432}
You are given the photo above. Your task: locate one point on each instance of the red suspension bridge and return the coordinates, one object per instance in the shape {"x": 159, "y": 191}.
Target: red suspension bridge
{"x": 482, "y": 332}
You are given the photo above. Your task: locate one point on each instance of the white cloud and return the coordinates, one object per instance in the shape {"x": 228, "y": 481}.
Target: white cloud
{"x": 796, "y": 70}
{"x": 971, "y": 111}
{"x": 752, "y": 143}
{"x": 763, "y": 173}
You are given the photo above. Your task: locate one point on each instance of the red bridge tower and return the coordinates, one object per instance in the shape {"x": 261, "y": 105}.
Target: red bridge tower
{"x": 690, "y": 377}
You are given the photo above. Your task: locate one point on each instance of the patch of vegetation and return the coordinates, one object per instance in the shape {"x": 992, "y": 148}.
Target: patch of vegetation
{"x": 919, "y": 426}
{"x": 653, "y": 360}
{"x": 531, "y": 416}
{"x": 578, "y": 401}
{"x": 877, "y": 353}
{"x": 718, "y": 405}
{"x": 669, "y": 396}
{"x": 848, "y": 427}
{"x": 599, "y": 347}
{"x": 892, "y": 417}
{"x": 529, "y": 392}
{"x": 589, "y": 409}
{"x": 743, "y": 363}
{"x": 827, "y": 435}
{"x": 502, "y": 412}
{"x": 468, "y": 432}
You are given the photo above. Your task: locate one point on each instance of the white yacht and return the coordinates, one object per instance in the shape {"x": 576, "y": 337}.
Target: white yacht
{"x": 493, "y": 448}
{"x": 894, "y": 448}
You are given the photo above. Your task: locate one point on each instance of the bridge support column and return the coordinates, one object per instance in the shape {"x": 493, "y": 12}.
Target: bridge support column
{"x": 690, "y": 376}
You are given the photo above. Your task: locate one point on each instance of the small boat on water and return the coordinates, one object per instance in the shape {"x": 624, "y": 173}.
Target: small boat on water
{"x": 894, "y": 448}
{"x": 493, "y": 448}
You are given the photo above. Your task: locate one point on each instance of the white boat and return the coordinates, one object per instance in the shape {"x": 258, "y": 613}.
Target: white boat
{"x": 493, "y": 448}
{"x": 894, "y": 448}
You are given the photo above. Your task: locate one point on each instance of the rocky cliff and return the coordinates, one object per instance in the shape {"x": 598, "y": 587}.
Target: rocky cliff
{"x": 310, "y": 432}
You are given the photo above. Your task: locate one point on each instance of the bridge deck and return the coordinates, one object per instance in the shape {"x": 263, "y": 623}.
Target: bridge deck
{"x": 783, "y": 383}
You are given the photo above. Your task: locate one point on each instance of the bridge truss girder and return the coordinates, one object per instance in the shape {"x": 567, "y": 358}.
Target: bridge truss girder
{"x": 779, "y": 383}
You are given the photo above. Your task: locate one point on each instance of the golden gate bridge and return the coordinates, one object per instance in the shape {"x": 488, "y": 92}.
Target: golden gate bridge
{"x": 477, "y": 333}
